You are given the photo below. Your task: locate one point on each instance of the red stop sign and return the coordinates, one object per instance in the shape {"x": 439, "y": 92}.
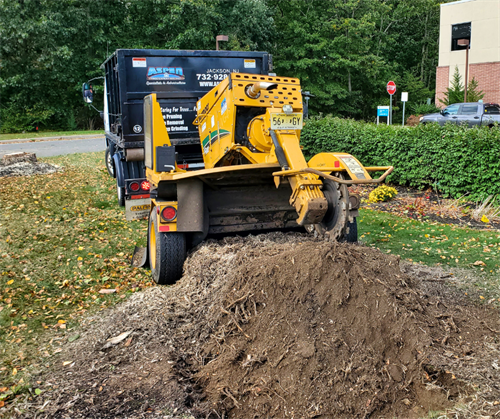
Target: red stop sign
{"x": 391, "y": 87}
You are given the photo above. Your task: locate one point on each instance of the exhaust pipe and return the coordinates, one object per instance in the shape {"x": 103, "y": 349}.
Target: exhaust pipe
{"x": 253, "y": 90}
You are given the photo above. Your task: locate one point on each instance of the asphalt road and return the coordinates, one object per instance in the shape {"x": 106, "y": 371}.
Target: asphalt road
{"x": 54, "y": 148}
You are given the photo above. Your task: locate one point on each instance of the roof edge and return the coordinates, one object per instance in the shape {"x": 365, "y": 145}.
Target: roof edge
{"x": 455, "y": 2}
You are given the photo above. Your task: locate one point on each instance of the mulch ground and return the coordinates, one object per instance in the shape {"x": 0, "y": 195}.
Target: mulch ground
{"x": 427, "y": 206}
{"x": 282, "y": 326}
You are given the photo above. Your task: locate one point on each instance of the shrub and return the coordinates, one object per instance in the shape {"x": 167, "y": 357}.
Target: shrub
{"x": 424, "y": 108}
{"x": 453, "y": 159}
{"x": 382, "y": 193}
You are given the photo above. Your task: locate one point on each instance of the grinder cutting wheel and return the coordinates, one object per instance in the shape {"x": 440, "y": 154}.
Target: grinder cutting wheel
{"x": 255, "y": 176}
{"x": 335, "y": 220}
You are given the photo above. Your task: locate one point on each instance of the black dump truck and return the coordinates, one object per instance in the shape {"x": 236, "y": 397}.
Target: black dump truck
{"x": 179, "y": 78}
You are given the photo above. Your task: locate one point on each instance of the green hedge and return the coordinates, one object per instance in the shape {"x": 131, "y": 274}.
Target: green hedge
{"x": 455, "y": 160}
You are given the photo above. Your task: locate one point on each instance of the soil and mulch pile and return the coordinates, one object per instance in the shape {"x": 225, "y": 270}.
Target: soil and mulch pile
{"x": 24, "y": 164}
{"x": 282, "y": 326}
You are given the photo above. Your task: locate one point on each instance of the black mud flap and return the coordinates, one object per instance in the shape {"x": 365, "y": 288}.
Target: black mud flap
{"x": 140, "y": 257}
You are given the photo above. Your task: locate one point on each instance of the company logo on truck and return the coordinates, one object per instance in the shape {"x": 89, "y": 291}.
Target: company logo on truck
{"x": 165, "y": 73}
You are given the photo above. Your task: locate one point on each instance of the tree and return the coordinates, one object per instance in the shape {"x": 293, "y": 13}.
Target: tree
{"x": 456, "y": 93}
{"x": 473, "y": 92}
{"x": 344, "y": 51}
{"x": 331, "y": 46}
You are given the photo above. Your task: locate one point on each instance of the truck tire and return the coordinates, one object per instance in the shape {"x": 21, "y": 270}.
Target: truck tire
{"x": 108, "y": 159}
{"x": 352, "y": 236}
{"x": 167, "y": 253}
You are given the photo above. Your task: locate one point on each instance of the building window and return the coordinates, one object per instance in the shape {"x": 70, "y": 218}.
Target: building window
{"x": 459, "y": 31}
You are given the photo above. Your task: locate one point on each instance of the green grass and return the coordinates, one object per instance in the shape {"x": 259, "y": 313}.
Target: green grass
{"x": 35, "y": 135}
{"x": 63, "y": 238}
{"x": 435, "y": 244}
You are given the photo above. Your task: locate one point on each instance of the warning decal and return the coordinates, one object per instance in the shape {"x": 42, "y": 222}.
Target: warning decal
{"x": 138, "y": 62}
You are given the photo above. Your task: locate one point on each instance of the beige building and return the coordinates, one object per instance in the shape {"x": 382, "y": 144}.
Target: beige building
{"x": 479, "y": 22}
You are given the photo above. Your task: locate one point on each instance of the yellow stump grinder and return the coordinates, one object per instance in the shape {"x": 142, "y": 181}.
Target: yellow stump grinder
{"x": 255, "y": 175}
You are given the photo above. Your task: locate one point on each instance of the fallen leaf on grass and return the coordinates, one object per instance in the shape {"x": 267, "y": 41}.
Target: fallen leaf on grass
{"x": 485, "y": 219}
{"x": 66, "y": 363}
{"x": 38, "y": 391}
{"x": 479, "y": 263}
{"x": 2, "y": 403}
{"x": 107, "y": 291}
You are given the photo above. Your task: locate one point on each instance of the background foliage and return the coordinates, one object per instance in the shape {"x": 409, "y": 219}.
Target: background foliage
{"x": 456, "y": 92}
{"x": 345, "y": 51}
{"x": 426, "y": 155}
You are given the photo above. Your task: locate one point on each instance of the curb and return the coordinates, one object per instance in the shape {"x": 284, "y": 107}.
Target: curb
{"x": 67, "y": 137}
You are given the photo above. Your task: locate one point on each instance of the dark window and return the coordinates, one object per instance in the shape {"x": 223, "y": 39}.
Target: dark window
{"x": 495, "y": 110}
{"x": 469, "y": 110}
{"x": 459, "y": 31}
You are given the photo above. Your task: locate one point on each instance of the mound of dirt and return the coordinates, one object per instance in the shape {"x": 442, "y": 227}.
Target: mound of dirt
{"x": 24, "y": 164}
{"x": 275, "y": 326}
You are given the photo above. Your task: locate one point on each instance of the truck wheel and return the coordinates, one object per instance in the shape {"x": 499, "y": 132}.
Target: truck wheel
{"x": 110, "y": 164}
{"x": 167, "y": 253}
{"x": 120, "y": 193}
{"x": 352, "y": 236}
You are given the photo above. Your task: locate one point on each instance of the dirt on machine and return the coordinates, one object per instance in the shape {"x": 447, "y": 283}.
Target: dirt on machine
{"x": 255, "y": 176}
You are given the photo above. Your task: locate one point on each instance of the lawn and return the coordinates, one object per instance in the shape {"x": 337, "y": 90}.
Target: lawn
{"x": 64, "y": 242}
{"x": 35, "y": 135}
{"x": 475, "y": 252}
{"x": 65, "y": 249}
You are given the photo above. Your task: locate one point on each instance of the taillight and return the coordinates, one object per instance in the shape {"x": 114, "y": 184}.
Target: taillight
{"x": 134, "y": 186}
{"x": 168, "y": 214}
{"x": 145, "y": 185}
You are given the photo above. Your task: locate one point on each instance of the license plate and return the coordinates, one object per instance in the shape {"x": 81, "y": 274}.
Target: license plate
{"x": 286, "y": 121}
{"x": 137, "y": 209}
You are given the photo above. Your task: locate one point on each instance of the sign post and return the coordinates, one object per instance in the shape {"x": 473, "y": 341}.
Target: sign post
{"x": 391, "y": 89}
{"x": 404, "y": 99}
{"x": 382, "y": 111}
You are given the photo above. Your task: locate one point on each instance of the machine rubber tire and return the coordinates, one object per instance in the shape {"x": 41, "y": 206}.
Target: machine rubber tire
{"x": 167, "y": 253}
{"x": 352, "y": 235}
{"x": 108, "y": 159}
{"x": 120, "y": 193}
